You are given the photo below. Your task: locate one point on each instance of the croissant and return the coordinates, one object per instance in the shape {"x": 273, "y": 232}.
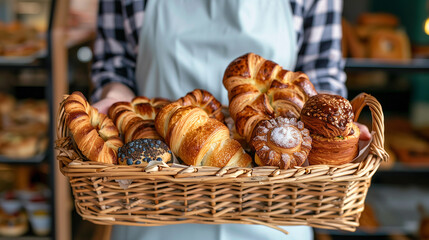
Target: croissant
{"x": 335, "y": 136}
{"x": 135, "y": 119}
{"x": 94, "y": 133}
{"x": 205, "y": 100}
{"x": 259, "y": 89}
{"x": 195, "y": 137}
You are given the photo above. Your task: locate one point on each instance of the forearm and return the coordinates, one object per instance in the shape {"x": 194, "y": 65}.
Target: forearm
{"x": 113, "y": 68}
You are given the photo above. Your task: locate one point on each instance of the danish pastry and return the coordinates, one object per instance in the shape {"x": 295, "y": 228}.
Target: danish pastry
{"x": 281, "y": 142}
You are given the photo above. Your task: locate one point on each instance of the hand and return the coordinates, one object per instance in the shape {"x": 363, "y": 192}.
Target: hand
{"x": 113, "y": 92}
{"x": 365, "y": 135}
{"x": 104, "y": 104}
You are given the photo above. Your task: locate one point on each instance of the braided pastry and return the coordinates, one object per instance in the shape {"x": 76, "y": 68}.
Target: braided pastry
{"x": 259, "y": 89}
{"x": 281, "y": 142}
{"x": 135, "y": 119}
{"x": 197, "y": 138}
{"x": 94, "y": 133}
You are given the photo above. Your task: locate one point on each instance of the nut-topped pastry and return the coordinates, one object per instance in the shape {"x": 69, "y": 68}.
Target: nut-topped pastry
{"x": 328, "y": 115}
{"x": 330, "y": 121}
{"x": 282, "y": 142}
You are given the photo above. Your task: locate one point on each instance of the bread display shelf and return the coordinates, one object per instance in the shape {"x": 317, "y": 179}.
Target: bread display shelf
{"x": 400, "y": 66}
{"x": 18, "y": 60}
{"x": 34, "y": 159}
{"x": 75, "y": 37}
{"x": 321, "y": 196}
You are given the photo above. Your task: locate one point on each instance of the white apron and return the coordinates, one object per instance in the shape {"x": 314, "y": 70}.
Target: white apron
{"x": 187, "y": 44}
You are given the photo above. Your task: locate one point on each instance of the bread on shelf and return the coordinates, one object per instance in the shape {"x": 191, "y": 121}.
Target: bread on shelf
{"x": 377, "y": 36}
{"x": 24, "y": 127}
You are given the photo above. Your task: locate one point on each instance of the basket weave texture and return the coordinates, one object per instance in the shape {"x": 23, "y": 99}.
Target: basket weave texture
{"x": 321, "y": 196}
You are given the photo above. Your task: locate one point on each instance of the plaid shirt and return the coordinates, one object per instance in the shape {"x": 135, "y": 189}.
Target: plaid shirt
{"x": 317, "y": 25}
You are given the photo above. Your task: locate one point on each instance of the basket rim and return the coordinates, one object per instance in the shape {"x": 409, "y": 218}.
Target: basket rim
{"x": 75, "y": 166}
{"x": 72, "y": 163}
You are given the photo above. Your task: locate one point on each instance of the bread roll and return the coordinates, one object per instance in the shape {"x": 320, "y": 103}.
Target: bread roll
{"x": 15, "y": 145}
{"x": 143, "y": 151}
{"x": 31, "y": 110}
{"x": 334, "y": 135}
{"x": 389, "y": 44}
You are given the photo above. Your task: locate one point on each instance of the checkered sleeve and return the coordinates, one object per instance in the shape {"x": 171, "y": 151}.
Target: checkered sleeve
{"x": 114, "y": 53}
{"x": 320, "y": 55}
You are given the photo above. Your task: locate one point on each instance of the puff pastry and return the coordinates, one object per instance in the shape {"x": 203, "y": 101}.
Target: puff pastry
{"x": 94, "y": 133}
{"x": 195, "y": 137}
{"x": 281, "y": 142}
{"x": 135, "y": 119}
{"x": 335, "y": 136}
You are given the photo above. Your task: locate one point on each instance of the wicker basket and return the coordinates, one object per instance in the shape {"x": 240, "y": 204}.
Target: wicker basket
{"x": 321, "y": 196}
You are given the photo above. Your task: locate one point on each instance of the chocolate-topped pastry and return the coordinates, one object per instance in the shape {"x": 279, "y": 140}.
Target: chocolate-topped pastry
{"x": 330, "y": 121}
{"x": 328, "y": 115}
{"x": 142, "y": 151}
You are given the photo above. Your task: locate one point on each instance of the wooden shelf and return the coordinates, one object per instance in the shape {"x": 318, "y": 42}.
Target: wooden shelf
{"x": 413, "y": 65}
{"x": 75, "y": 37}
{"x": 31, "y": 160}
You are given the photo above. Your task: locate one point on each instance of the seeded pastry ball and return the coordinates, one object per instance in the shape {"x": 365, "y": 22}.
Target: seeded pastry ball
{"x": 142, "y": 151}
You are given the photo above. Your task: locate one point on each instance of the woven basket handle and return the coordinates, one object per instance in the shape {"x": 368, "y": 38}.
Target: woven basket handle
{"x": 61, "y": 125}
{"x": 358, "y": 103}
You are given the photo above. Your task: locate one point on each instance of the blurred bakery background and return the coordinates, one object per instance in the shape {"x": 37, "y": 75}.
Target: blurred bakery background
{"x": 35, "y": 202}
{"x": 46, "y": 50}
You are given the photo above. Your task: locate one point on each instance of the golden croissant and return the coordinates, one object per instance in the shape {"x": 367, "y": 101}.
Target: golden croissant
{"x": 195, "y": 137}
